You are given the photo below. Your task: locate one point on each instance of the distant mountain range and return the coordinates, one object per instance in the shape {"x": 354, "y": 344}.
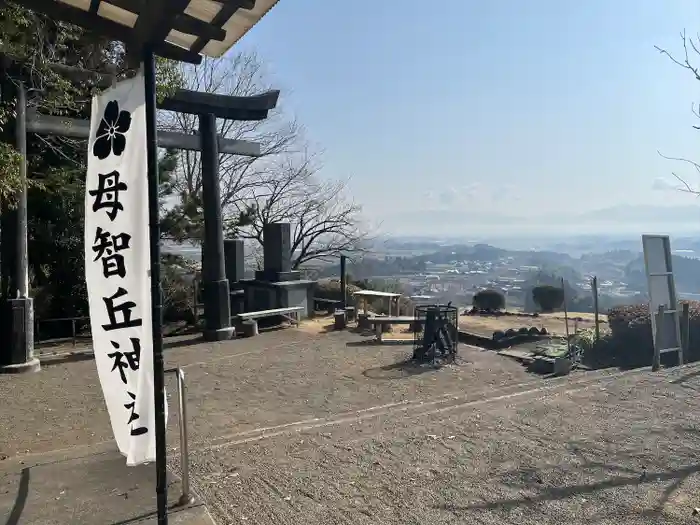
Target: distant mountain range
{"x": 622, "y": 219}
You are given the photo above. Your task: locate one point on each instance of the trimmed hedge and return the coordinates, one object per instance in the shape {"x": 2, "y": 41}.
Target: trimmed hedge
{"x": 489, "y": 300}
{"x": 631, "y": 340}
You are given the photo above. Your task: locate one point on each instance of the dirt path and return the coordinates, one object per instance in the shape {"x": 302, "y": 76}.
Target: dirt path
{"x": 291, "y": 427}
{"x": 542, "y": 456}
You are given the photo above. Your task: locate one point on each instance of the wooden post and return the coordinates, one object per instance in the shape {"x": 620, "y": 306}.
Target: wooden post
{"x": 566, "y": 319}
{"x": 656, "y": 364}
{"x": 343, "y": 282}
{"x": 596, "y": 312}
{"x": 685, "y": 332}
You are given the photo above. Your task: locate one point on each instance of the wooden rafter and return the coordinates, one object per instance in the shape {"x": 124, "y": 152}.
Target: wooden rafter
{"x": 176, "y": 29}
{"x": 181, "y": 22}
{"x": 228, "y": 9}
{"x": 108, "y": 28}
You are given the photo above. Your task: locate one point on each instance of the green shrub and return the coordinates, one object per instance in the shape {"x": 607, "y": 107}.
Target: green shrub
{"x": 548, "y": 297}
{"x": 489, "y": 300}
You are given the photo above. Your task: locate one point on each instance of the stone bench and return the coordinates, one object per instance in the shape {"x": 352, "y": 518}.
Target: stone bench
{"x": 249, "y": 324}
{"x": 379, "y": 322}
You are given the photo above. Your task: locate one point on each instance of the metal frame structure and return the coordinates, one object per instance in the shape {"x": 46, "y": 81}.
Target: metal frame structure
{"x": 181, "y": 30}
{"x": 658, "y": 309}
{"x": 436, "y": 333}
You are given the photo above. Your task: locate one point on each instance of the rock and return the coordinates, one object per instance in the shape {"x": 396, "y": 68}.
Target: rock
{"x": 562, "y": 366}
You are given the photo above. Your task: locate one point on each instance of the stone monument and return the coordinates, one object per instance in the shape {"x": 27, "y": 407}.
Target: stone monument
{"x": 277, "y": 285}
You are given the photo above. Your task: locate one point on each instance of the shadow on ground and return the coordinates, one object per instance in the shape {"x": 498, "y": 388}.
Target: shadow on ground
{"x": 548, "y": 494}
{"x": 400, "y": 370}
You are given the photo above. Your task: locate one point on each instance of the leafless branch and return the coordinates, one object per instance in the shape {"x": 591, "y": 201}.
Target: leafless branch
{"x": 325, "y": 223}
{"x": 241, "y": 75}
{"x": 686, "y": 63}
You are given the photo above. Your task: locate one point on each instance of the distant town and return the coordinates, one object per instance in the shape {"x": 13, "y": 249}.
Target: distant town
{"x": 433, "y": 271}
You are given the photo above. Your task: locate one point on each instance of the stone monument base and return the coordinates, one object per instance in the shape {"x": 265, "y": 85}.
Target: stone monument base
{"x": 33, "y": 365}
{"x": 276, "y": 277}
{"x": 17, "y": 353}
{"x": 263, "y": 295}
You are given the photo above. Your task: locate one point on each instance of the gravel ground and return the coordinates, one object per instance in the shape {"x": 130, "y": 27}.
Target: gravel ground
{"x": 291, "y": 427}
{"x": 607, "y": 450}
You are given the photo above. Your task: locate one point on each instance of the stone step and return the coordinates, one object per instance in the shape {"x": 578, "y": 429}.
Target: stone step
{"x": 524, "y": 356}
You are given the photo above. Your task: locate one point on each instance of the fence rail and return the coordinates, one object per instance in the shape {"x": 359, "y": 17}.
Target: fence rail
{"x": 323, "y": 304}
{"x": 73, "y": 321}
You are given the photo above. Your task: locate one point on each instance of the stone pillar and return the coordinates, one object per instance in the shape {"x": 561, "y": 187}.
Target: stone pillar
{"x": 215, "y": 288}
{"x": 17, "y": 355}
{"x": 234, "y": 258}
{"x": 277, "y": 247}
{"x": 277, "y": 253}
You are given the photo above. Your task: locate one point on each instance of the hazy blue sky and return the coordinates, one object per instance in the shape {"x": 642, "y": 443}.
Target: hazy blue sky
{"x": 520, "y": 107}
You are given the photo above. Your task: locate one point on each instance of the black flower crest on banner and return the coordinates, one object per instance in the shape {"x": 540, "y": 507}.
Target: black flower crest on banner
{"x": 110, "y": 133}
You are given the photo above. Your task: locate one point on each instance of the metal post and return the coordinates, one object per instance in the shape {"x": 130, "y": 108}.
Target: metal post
{"x": 343, "y": 282}
{"x": 656, "y": 364}
{"x": 149, "y": 70}
{"x": 594, "y": 289}
{"x": 566, "y": 320}
{"x": 185, "y": 498}
{"x": 685, "y": 333}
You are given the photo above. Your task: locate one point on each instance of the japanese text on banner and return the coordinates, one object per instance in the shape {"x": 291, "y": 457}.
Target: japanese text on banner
{"x": 117, "y": 265}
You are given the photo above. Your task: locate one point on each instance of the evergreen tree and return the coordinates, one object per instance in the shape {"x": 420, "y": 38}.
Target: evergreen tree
{"x": 31, "y": 43}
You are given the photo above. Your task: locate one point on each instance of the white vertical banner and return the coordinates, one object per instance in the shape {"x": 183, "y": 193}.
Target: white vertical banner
{"x": 117, "y": 265}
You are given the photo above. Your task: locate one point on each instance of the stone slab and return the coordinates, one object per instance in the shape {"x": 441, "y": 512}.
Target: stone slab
{"x": 94, "y": 489}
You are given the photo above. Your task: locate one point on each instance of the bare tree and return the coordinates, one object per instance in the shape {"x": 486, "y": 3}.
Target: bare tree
{"x": 241, "y": 75}
{"x": 691, "y": 53}
{"x": 325, "y": 222}
{"x": 280, "y": 186}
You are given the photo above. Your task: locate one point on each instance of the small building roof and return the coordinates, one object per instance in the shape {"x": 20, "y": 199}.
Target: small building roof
{"x": 180, "y": 29}
{"x": 374, "y": 293}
